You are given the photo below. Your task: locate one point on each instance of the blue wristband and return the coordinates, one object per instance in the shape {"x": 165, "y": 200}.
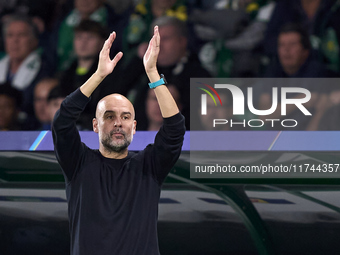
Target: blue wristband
{"x": 155, "y": 84}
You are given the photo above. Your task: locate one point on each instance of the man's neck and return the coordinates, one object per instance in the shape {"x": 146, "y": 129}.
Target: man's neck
{"x": 113, "y": 155}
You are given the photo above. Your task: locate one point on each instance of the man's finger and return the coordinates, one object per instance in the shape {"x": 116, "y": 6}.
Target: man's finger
{"x": 157, "y": 37}
{"x": 112, "y": 37}
{"x": 118, "y": 56}
{"x": 109, "y": 41}
{"x": 156, "y": 43}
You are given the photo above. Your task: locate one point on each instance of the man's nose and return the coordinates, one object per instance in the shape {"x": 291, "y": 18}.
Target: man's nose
{"x": 118, "y": 122}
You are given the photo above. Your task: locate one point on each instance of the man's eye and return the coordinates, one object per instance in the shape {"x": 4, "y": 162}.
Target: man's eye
{"x": 109, "y": 117}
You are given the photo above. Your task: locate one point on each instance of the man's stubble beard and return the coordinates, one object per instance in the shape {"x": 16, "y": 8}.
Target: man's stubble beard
{"x": 112, "y": 146}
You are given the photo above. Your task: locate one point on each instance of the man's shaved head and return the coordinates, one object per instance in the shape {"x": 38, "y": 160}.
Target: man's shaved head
{"x": 116, "y": 99}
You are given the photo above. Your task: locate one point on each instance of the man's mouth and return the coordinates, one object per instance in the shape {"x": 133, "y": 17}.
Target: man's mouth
{"x": 117, "y": 134}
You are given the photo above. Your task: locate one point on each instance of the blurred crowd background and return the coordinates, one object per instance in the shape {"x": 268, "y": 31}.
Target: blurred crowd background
{"x": 49, "y": 48}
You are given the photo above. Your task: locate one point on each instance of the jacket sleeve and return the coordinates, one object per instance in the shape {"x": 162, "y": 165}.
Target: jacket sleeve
{"x": 167, "y": 146}
{"x": 68, "y": 147}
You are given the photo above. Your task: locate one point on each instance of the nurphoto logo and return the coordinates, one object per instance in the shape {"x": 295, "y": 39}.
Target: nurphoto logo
{"x": 242, "y": 105}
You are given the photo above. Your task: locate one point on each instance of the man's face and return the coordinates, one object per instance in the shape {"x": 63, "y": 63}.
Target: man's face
{"x": 41, "y": 93}
{"x": 115, "y": 123}
{"x": 172, "y": 46}
{"x": 291, "y": 52}
{"x": 8, "y": 112}
{"x": 87, "y": 45}
{"x": 87, "y": 7}
{"x": 19, "y": 40}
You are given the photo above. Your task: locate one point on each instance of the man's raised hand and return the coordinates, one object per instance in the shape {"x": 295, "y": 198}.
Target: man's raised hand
{"x": 165, "y": 100}
{"x": 105, "y": 67}
{"x": 105, "y": 64}
{"x": 151, "y": 55}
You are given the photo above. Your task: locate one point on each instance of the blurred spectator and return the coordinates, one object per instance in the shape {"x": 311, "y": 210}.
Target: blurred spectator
{"x": 96, "y": 10}
{"x": 89, "y": 37}
{"x": 321, "y": 19}
{"x": 41, "y": 92}
{"x": 43, "y": 13}
{"x": 294, "y": 61}
{"x": 232, "y": 33}
{"x": 54, "y": 100}
{"x": 153, "y": 112}
{"x": 294, "y": 55}
{"x": 8, "y": 8}
{"x": 22, "y": 66}
{"x": 10, "y": 101}
{"x": 138, "y": 30}
{"x": 174, "y": 61}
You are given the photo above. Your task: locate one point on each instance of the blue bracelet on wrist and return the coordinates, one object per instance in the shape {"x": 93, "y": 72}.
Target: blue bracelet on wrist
{"x": 161, "y": 81}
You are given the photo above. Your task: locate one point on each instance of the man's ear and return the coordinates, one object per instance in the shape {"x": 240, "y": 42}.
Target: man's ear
{"x": 95, "y": 125}
{"x": 134, "y": 126}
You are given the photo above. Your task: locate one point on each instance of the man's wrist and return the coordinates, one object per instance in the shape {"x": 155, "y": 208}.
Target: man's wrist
{"x": 153, "y": 76}
{"x": 161, "y": 81}
{"x": 98, "y": 77}
{"x": 91, "y": 84}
